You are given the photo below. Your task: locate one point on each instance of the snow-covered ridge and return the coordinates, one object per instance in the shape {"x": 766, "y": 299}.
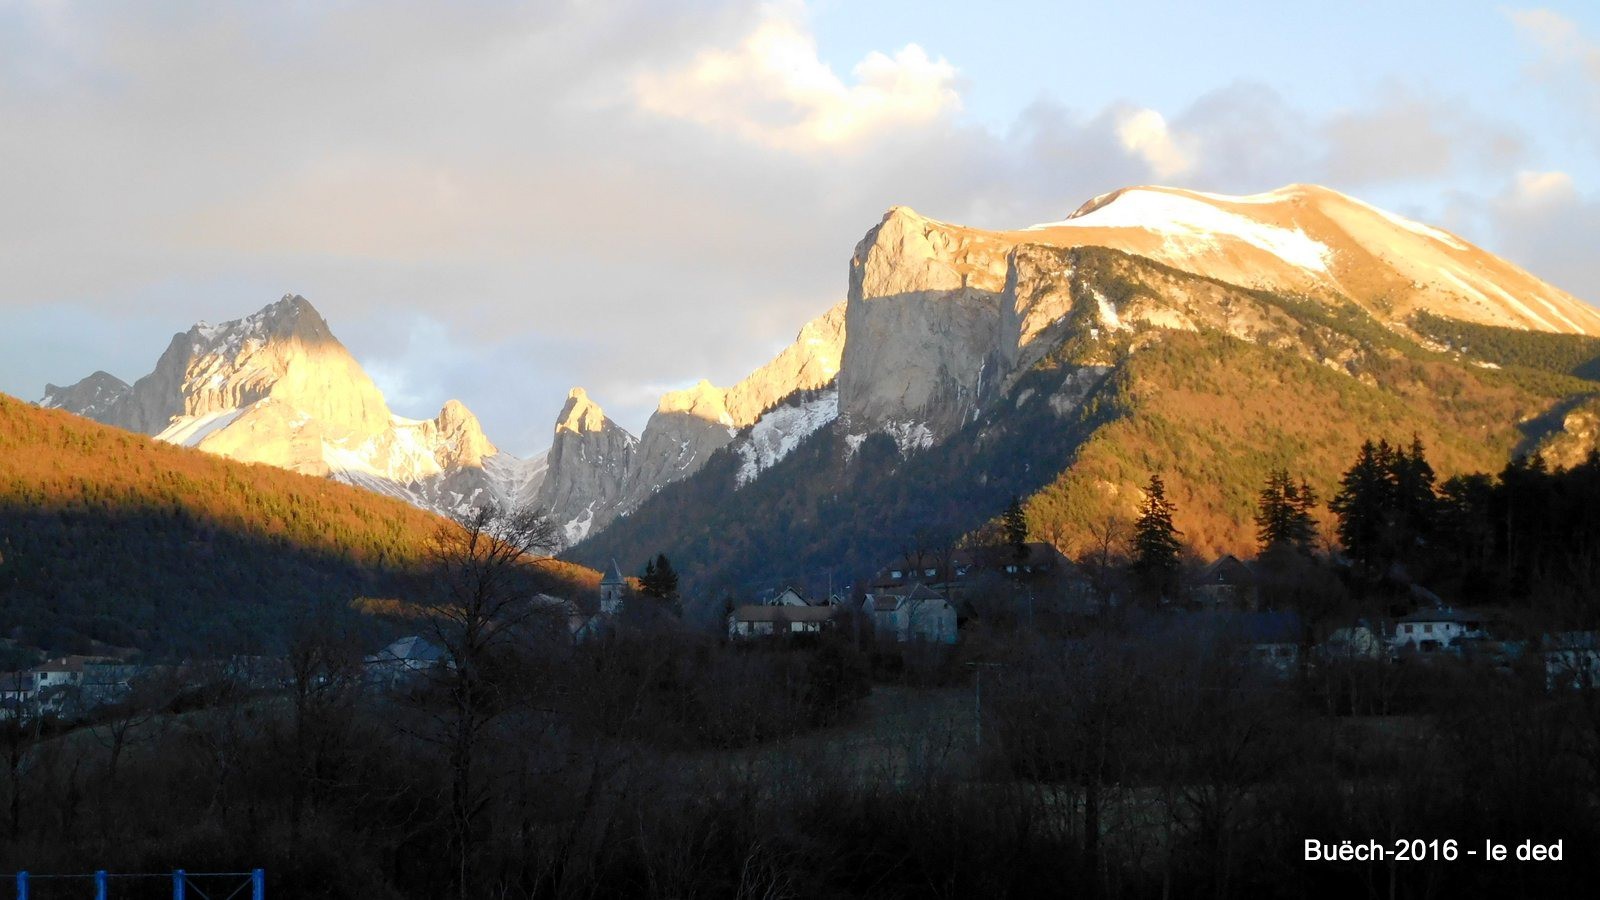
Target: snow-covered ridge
{"x": 1193, "y": 227}
{"x": 781, "y": 430}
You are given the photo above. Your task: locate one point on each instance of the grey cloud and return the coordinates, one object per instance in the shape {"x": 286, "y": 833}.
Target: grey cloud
{"x": 1408, "y": 135}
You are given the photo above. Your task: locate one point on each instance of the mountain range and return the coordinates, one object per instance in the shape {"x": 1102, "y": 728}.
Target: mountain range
{"x": 1153, "y": 329}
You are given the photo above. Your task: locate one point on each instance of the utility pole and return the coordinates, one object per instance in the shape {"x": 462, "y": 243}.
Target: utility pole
{"x": 977, "y": 703}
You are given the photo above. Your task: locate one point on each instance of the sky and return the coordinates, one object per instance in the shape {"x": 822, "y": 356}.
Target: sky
{"x": 494, "y": 202}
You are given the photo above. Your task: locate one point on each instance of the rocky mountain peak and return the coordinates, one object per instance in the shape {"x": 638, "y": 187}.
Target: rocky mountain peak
{"x": 92, "y": 397}
{"x": 291, "y": 318}
{"x": 581, "y": 415}
{"x": 703, "y": 401}
{"x": 460, "y": 437}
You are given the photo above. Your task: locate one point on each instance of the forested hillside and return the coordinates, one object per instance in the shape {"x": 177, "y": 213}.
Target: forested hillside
{"x": 112, "y": 537}
{"x": 1079, "y": 434}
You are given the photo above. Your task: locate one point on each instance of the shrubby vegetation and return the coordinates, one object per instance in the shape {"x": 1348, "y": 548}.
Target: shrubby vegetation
{"x": 1135, "y": 757}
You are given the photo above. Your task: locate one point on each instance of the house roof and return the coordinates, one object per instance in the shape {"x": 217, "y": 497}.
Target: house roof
{"x": 613, "y": 575}
{"x": 919, "y": 593}
{"x": 65, "y": 664}
{"x": 1229, "y": 570}
{"x": 1038, "y": 557}
{"x": 558, "y": 605}
{"x": 413, "y": 648}
{"x": 761, "y": 613}
{"x": 1446, "y": 614}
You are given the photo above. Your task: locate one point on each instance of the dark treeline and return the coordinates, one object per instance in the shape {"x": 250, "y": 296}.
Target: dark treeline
{"x": 1529, "y": 536}
{"x": 1145, "y": 757}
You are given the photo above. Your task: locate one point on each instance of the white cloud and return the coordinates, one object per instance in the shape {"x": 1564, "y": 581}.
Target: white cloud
{"x": 1536, "y": 191}
{"x": 773, "y": 89}
{"x": 1407, "y": 135}
{"x": 564, "y": 193}
{"x": 1144, "y": 133}
{"x": 1559, "y": 38}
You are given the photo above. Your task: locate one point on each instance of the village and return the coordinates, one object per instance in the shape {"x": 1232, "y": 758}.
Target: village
{"x": 919, "y": 602}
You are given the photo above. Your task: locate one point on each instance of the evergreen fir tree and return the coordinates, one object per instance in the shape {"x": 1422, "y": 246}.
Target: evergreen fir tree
{"x": 1303, "y": 530}
{"x": 659, "y": 581}
{"x": 1155, "y": 542}
{"x": 1362, "y": 506}
{"x": 1015, "y": 524}
{"x": 1416, "y": 504}
{"x": 1283, "y": 513}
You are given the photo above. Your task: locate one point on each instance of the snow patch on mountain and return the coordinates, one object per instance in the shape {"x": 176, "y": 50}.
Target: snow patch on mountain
{"x": 780, "y": 431}
{"x": 1191, "y": 227}
{"x": 1108, "y": 312}
{"x": 910, "y": 437}
{"x": 1412, "y": 225}
{"x": 577, "y": 528}
{"x": 189, "y": 431}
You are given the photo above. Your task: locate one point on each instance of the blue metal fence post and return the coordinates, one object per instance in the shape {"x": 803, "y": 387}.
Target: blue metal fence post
{"x": 100, "y": 885}
{"x": 22, "y": 885}
{"x": 180, "y": 881}
{"x": 258, "y": 884}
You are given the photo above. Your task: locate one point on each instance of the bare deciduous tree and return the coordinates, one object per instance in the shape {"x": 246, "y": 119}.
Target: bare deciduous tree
{"x": 479, "y": 605}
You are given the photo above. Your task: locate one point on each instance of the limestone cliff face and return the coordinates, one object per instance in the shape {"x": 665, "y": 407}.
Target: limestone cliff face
{"x": 588, "y": 466}
{"x": 922, "y": 315}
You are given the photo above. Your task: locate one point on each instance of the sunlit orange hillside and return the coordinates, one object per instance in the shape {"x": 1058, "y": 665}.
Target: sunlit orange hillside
{"x": 114, "y": 537}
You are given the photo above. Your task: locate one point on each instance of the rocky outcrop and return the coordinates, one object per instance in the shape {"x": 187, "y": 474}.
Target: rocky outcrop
{"x": 810, "y": 363}
{"x": 587, "y": 467}
{"x": 582, "y": 489}
{"x": 91, "y": 398}
{"x": 922, "y": 315}
{"x": 686, "y": 428}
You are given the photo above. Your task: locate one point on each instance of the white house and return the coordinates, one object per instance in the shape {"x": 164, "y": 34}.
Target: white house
{"x": 920, "y": 614}
{"x": 64, "y": 672}
{"x": 1433, "y": 630}
{"x": 403, "y": 661}
{"x": 755, "y": 620}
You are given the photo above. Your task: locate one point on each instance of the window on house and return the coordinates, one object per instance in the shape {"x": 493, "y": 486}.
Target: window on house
{"x": 1011, "y": 569}
{"x": 928, "y": 572}
{"x": 897, "y": 574}
{"x": 1428, "y": 628}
